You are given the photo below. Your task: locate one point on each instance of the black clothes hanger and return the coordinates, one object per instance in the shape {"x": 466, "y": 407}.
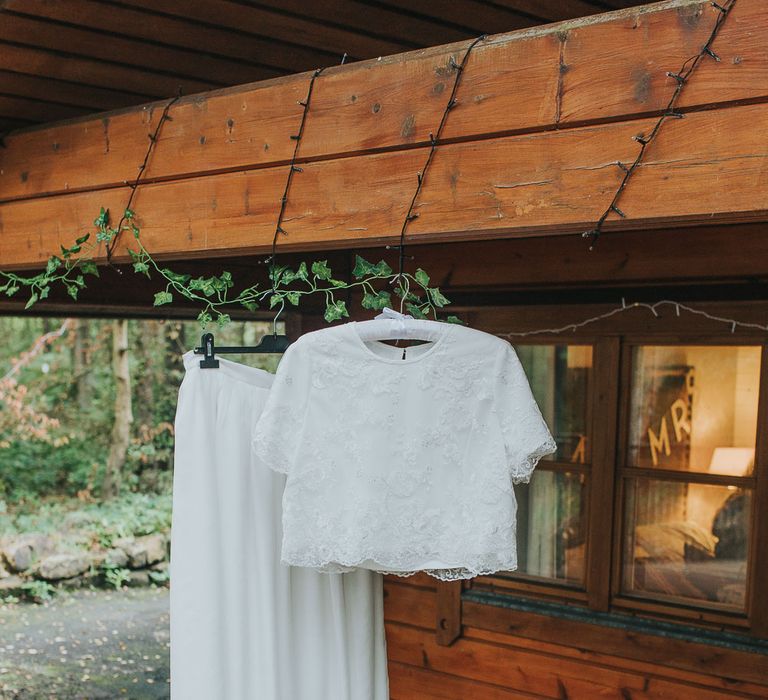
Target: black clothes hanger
{"x": 273, "y": 343}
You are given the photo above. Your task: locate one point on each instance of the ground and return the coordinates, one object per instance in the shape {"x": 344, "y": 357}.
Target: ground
{"x": 87, "y": 644}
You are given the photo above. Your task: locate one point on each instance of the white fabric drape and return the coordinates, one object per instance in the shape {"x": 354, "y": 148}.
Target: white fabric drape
{"x": 243, "y": 625}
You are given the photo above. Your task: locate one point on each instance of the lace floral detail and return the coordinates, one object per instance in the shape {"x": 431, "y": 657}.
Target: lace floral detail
{"x": 401, "y": 468}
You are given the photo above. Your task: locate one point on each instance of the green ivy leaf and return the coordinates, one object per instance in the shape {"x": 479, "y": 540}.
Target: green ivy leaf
{"x": 274, "y": 300}
{"x": 223, "y": 320}
{"x": 302, "y": 272}
{"x": 72, "y": 290}
{"x": 89, "y": 268}
{"x": 54, "y": 264}
{"x": 376, "y": 301}
{"x": 163, "y": 298}
{"x": 454, "y": 319}
{"x": 135, "y": 230}
{"x": 175, "y": 276}
{"x": 82, "y": 239}
{"x": 250, "y": 305}
{"x": 362, "y": 267}
{"x": 437, "y": 297}
{"x": 141, "y": 267}
{"x": 338, "y": 283}
{"x": 276, "y": 273}
{"x": 409, "y": 296}
{"x": 415, "y": 311}
{"x": 129, "y": 213}
{"x": 293, "y": 298}
{"x": 102, "y": 219}
{"x": 11, "y": 290}
{"x": 382, "y": 269}
{"x": 335, "y": 310}
{"x": 204, "y": 318}
{"x": 321, "y": 270}
{"x": 422, "y": 277}
{"x": 32, "y": 299}
{"x": 44, "y": 291}
{"x": 288, "y": 276}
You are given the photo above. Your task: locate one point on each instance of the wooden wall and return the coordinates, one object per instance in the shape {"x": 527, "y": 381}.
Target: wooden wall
{"x": 489, "y": 665}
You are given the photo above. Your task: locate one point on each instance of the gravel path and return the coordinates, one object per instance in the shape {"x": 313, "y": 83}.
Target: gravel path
{"x": 86, "y": 645}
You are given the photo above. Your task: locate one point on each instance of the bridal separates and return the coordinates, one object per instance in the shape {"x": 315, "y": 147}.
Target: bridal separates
{"x": 294, "y": 493}
{"x": 245, "y": 626}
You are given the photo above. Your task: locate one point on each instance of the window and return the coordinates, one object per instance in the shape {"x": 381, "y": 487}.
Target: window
{"x": 550, "y": 509}
{"x": 650, "y": 504}
{"x": 693, "y": 409}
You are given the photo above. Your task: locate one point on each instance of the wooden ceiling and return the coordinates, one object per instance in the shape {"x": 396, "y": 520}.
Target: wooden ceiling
{"x": 61, "y": 59}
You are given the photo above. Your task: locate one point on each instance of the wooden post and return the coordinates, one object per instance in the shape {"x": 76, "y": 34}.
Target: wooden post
{"x": 448, "y": 628}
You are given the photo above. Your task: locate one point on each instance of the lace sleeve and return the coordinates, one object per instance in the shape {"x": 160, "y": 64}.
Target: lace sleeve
{"x": 526, "y": 436}
{"x": 274, "y": 435}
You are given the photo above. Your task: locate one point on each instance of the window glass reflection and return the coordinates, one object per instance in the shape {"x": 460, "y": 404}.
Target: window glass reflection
{"x": 550, "y": 527}
{"x": 694, "y": 408}
{"x": 559, "y": 377}
{"x": 686, "y": 541}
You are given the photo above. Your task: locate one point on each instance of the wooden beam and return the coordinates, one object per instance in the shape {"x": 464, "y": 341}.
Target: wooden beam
{"x": 708, "y": 166}
{"x": 608, "y": 67}
{"x": 215, "y": 179}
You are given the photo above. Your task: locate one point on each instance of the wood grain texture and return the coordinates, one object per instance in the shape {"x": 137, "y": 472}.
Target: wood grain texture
{"x": 448, "y": 613}
{"x": 176, "y": 32}
{"x": 709, "y": 166}
{"x": 409, "y": 604}
{"x": 610, "y": 67}
{"x": 497, "y": 666}
{"x": 412, "y": 683}
{"x": 563, "y": 647}
{"x": 685, "y": 655}
{"x": 502, "y": 665}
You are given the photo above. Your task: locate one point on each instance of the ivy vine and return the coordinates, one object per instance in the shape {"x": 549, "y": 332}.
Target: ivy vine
{"x": 216, "y": 294}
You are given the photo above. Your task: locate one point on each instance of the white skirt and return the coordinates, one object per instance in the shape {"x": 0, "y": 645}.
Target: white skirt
{"x": 243, "y": 625}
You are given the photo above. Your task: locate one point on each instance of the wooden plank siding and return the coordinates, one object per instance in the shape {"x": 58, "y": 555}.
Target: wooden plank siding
{"x": 501, "y": 665}
{"x": 543, "y": 115}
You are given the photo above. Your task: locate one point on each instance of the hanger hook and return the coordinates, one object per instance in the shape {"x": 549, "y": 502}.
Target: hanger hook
{"x": 274, "y": 320}
{"x": 406, "y": 289}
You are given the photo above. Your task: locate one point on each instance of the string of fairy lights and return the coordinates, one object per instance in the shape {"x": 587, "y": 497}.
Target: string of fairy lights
{"x": 652, "y": 308}
{"x": 681, "y": 78}
{"x": 153, "y": 138}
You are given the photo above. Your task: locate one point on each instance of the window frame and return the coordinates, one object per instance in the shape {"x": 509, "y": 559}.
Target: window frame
{"x": 607, "y": 473}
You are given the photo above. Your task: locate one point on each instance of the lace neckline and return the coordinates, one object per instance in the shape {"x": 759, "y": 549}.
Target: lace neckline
{"x": 395, "y": 353}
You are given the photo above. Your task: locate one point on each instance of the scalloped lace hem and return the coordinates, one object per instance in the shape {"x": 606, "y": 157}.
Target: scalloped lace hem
{"x": 521, "y": 471}
{"x": 443, "y": 574}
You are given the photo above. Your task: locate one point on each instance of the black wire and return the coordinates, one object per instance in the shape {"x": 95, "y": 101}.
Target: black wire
{"x": 669, "y": 112}
{"x": 434, "y": 140}
{"x": 291, "y": 170}
{"x": 153, "y": 137}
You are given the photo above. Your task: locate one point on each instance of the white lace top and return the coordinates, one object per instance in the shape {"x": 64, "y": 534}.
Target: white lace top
{"x": 401, "y": 465}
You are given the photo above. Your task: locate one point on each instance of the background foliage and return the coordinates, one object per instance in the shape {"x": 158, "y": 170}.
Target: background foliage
{"x": 66, "y": 394}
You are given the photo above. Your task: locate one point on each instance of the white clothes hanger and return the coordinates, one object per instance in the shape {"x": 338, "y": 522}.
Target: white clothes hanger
{"x": 392, "y": 325}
